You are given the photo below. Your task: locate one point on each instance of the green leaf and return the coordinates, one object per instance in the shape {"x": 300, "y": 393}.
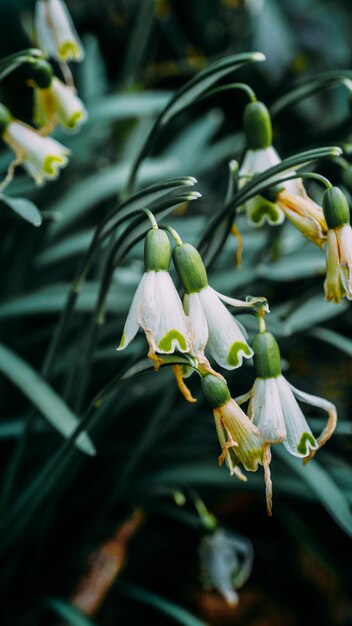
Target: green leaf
{"x": 333, "y": 338}
{"x": 172, "y": 610}
{"x": 23, "y": 207}
{"x": 313, "y": 311}
{"x": 319, "y": 82}
{"x": 323, "y": 486}
{"x": 69, "y": 613}
{"x": 43, "y": 397}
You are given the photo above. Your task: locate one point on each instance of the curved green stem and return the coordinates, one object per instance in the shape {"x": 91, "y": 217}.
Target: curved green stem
{"x": 172, "y": 232}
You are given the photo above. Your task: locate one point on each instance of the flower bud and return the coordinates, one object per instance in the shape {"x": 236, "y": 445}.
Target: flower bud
{"x": 41, "y": 72}
{"x": 257, "y": 126}
{"x": 157, "y": 251}
{"x": 5, "y": 118}
{"x": 215, "y": 390}
{"x": 190, "y": 268}
{"x": 335, "y": 207}
{"x": 266, "y": 355}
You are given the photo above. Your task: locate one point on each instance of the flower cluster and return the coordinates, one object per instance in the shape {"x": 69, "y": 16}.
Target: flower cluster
{"x": 55, "y": 102}
{"x": 204, "y": 325}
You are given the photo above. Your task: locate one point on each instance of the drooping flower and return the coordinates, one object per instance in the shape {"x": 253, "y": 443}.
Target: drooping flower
{"x": 240, "y": 439}
{"x": 156, "y": 306}
{"x": 212, "y": 324}
{"x": 58, "y": 104}
{"x": 42, "y": 157}
{"x": 288, "y": 198}
{"x": 273, "y": 406}
{"x": 56, "y": 33}
{"x": 338, "y": 281}
{"x": 226, "y": 560}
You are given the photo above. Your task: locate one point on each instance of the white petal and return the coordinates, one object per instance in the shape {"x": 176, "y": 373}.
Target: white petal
{"x": 266, "y": 410}
{"x": 46, "y": 41}
{"x": 68, "y": 107}
{"x": 226, "y": 342}
{"x": 256, "y": 161}
{"x": 251, "y": 302}
{"x": 172, "y": 332}
{"x": 132, "y": 323}
{"x": 344, "y": 238}
{"x": 317, "y": 401}
{"x": 199, "y": 324}
{"x": 68, "y": 45}
{"x": 300, "y": 439}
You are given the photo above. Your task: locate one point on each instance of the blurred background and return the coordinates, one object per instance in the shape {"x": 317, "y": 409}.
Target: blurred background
{"x": 144, "y": 504}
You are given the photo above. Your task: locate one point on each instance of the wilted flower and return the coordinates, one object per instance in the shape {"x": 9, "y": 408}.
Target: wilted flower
{"x": 273, "y": 406}
{"x": 41, "y": 156}
{"x": 212, "y": 324}
{"x": 58, "y": 103}
{"x": 240, "y": 440}
{"x": 156, "y": 306}
{"x": 338, "y": 281}
{"x": 56, "y": 34}
{"x": 288, "y": 198}
{"x": 226, "y": 560}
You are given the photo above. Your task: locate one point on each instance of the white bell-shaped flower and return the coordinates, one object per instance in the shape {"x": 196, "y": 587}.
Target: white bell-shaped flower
{"x": 338, "y": 281}
{"x": 42, "y": 157}
{"x": 60, "y": 104}
{"x": 55, "y": 31}
{"x": 156, "y": 306}
{"x": 213, "y": 326}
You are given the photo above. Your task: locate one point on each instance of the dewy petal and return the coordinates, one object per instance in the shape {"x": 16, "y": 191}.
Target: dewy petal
{"x": 344, "y": 240}
{"x": 172, "y": 331}
{"x": 332, "y": 285}
{"x": 132, "y": 322}
{"x": 266, "y": 410}
{"x": 226, "y": 343}
{"x": 194, "y": 310}
{"x": 300, "y": 440}
{"x": 242, "y": 431}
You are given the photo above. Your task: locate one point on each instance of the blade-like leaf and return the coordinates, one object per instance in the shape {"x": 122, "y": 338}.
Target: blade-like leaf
{"x": 333, "y": 338}
{"x": 23, "y": 207}
{"x": 43, "y": 397}
{"x": 323, "y": 486}
{"x": 172, "y": 610}
{"x": 69, "y": 613}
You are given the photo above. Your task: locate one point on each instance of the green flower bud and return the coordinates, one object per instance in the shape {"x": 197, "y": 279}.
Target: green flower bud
{"x": 5, "y": 118}
{"x": 266, "y": 355}
{"x": 215, "y": 390}
{"x": 335, "y": 207}
{"x": 257, "y": 126}
{"x": 41, "y": 72}
{"x": 157, "y": 251}
{"x": 190, "y": 268}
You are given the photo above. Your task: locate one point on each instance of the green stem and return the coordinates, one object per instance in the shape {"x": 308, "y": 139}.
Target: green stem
{"x": 172, "y": 232}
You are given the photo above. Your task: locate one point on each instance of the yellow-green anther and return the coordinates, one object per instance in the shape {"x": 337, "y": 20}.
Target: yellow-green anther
{"x": 41, "y": 72}
{"x": 266, "y": 355}
{"x": 257, "y": 126}
{"x": 216, "y": 391}
{"x": 190, "y": 268}
{"x": 5, "y": 118}
{"x": 157, "y": 251}
{"x": 335, "y": 207}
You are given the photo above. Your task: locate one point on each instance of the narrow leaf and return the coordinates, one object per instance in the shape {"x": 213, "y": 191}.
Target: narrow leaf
{"x": 69, "y": 613}
{"x": 24, "y": 208}
{"x": 43, "y": 397}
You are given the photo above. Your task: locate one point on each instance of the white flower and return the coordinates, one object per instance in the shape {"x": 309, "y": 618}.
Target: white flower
{"x": 56, "y": 34}
{"x": 226, "y": 561}
{"x": 339, "y": 264}
{"x": 291, "y": 201}
{"x": 156, "y": 308}
{"x": 59, "y": 103}
{"x": 274, "y": 410}
{"x": 214, "y": 326}
{"x": 42, "y": 157}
